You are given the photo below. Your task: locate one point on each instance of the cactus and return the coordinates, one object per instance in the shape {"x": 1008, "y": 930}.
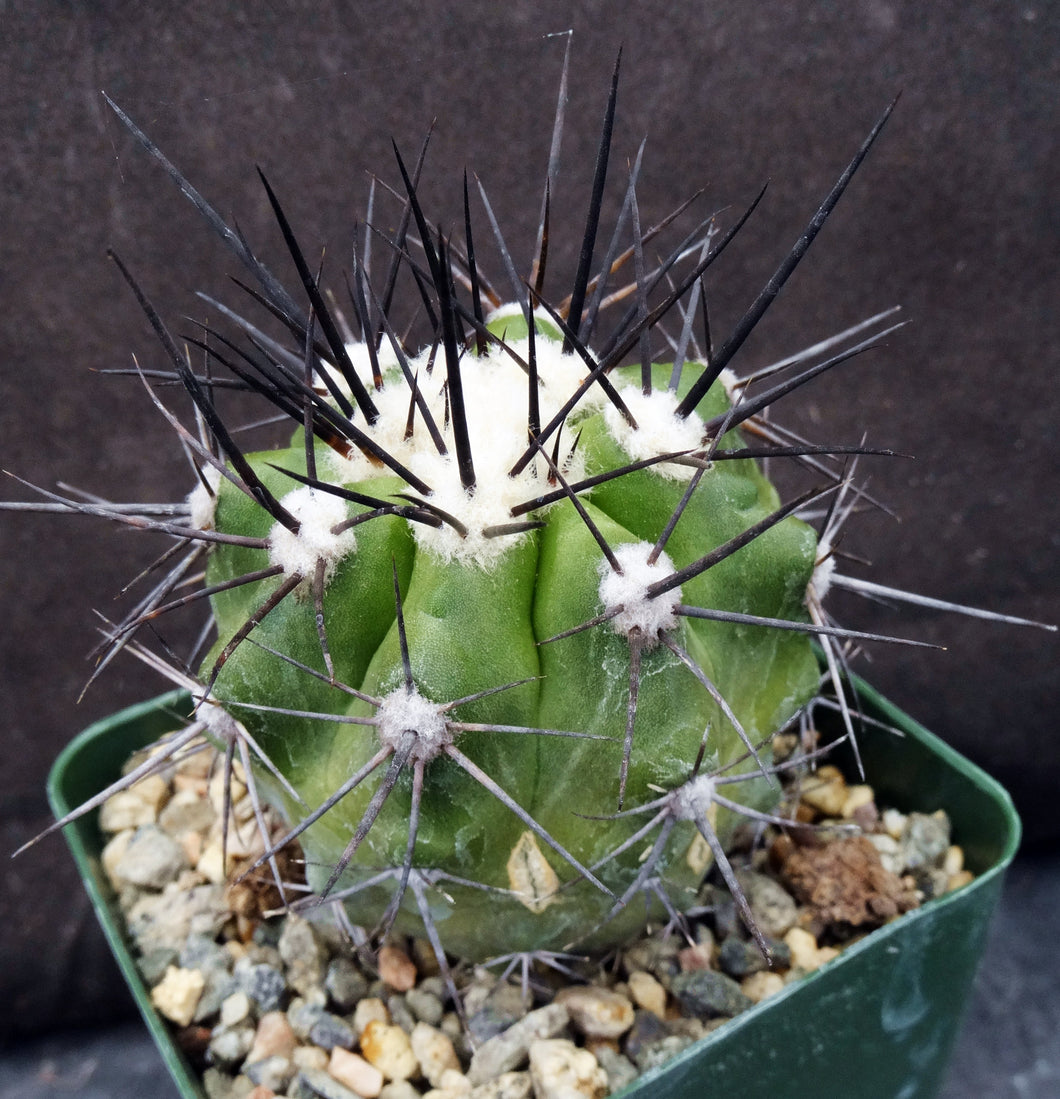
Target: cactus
{"x": 504, "y": 617}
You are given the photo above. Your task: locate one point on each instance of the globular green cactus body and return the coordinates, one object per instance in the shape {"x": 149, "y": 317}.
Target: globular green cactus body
{"x": 487, "y": 621}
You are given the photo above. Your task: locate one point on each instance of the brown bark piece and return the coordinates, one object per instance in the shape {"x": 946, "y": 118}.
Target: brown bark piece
{"x": 844, "y": 883}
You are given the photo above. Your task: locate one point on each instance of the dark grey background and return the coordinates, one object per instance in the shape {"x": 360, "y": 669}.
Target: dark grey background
{"x": 953, "y": 216}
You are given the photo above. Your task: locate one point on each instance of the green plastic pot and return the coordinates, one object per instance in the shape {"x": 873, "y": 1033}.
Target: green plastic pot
{"x": 879, "y": 1021}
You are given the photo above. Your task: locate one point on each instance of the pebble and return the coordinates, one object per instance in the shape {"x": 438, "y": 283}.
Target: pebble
{"x": 560, "y": 1070}
{"x": 345, "y": 983}
{"x": 303, "y": 1015}
{"x": 697, "y": 956}
{"x": 151, "y": 859}
{"x": 740, "y": 959}
{"x": 509, "y": 1085}
{"x": 396, "y": 968}
{"x": 647, "y": 992}
{"x": 273, "y": 1038}
{"x": 893, "y": 823}
{"x": 655, "y": 956}
{"x": 825, "y": 790}
{"x": 434, "y": 1053}
{"x": 388, "y": 1048}
{"x": 400, "y": 1015}
{"x": 772, "y": 906}
{"x": 219, "y": 1085}
{"x": 647, "y": 1029}
{"x": 186, "y": 812}
{"x": 136, "y": 806}
{"x": 235, "y": 1008}
{"x": 653, "y": 1054}
{"x": 229, "y": 1048}
{"x": 925, "y": 839}
{"x": 806, "y": 955}
{"x": 309, "y": 1058}
{"x": 177, "y": 994}
{"x": 356, "y": 1073}
{"x": 426, "y": 1006}
{"x": 370, "y": 1009}
{"x": 889, "y": 851}
{"x": 620, "y": 1070}
{"x": 274, "y": 1073}
{"x": 165, "y": 920}
{"x": 509, "y": 1049}
{"x": 304, "y": 957}
{"x": 706, "y": 994}
{"x": 210, "y": 862}
{"x": 597, "y": 1012}
{"x": 331, "y": 1032}
{"x": 202, "y": 953}
{"x": 219, "y": 986}
{"x": 500, "y": 1008}
{"x": 399, "y": 1089}
{"x": 858, "y": 797}
{"x": 317, "y": 1082}
{"x": 453, "y": 1080}
{"x": 153, "y": 966}
{"x": 264, "y": 984}
{"x": 758, "y": 986}
{"x": 111, "y": 856}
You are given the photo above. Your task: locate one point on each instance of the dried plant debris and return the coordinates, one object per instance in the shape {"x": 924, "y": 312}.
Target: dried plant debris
{"x": 302, "y": 1006}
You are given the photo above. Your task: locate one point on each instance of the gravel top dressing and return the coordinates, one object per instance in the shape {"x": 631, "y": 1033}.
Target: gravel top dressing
{"x": 268, "y": 1003}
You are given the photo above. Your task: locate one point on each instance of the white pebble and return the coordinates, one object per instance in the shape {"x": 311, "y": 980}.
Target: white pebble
{"x": 311, "y": 1058}
{"x": 399, "y": 1089}
{"x": 825, "y": 791}
{"x": 893, "y": 823}
{"x": 560, "y": 1070}
{"x": 177, "y": 995}
{"x": 647, "y": 993}
{"x": 235, "y": 1009}
{"x": 507, "y": 1050}
{"x": 597, "y": 1012}
{"x": 355, "y": 1073}
{"x": 138, "y": 805}
{"x": 388, "y": 1048}
{"x": 370, "y": 1009}
{"x": 759, "y": 986}
{"x": 509, "y": 1085}
{"x": 435, "y": 1054}
{"x": 111, "y": 857}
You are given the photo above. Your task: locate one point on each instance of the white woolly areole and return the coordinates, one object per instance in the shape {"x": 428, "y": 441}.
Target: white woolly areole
{"x": 693, "y": 800}
{"x": 659, "y": 429}
{"x": 362, "y": 365}
{"x": 317, "y": 512}
{"x": 202, "y": 501}
{"x": 730, "y": 382}
{"x": 404, "y": 711}
{"x": 628, "y": 589}
{"x": 496, "y": 394}
{"x": 823, "y": 570}
{"x": 218, "y": 720}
